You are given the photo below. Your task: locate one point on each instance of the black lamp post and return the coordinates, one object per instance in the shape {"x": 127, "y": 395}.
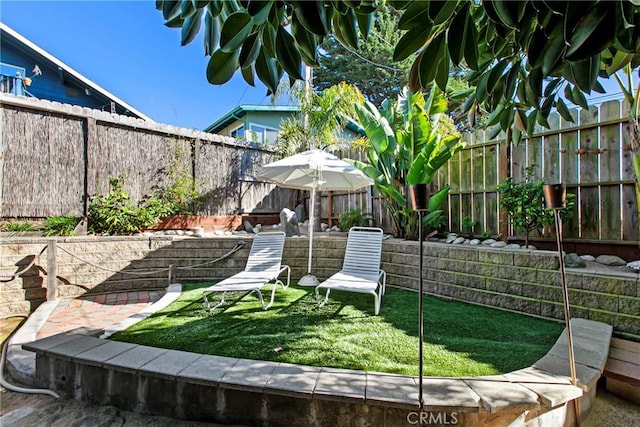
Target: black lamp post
{"x": 419, "y": 202}
{"x": 555, "y": 196}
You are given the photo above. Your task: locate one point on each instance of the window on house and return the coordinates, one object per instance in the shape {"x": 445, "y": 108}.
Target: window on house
{"x": 263, "y": 134}
{"x": 237, "y": 133}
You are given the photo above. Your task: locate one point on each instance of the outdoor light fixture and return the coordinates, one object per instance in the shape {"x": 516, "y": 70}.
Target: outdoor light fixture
{"x": 419, "y": 201}
{"x": 555, "y": 196}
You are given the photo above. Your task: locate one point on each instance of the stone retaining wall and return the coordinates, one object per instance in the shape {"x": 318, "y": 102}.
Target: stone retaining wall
{"x": 517, "y": 280}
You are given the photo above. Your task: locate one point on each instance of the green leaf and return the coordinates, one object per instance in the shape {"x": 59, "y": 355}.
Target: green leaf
{"x": 585, "y": 73}
{"x": 348, "y": 28}
{"x": 250, "y": 50}
{"x": 268, "y": 37}
{"x": 511, "y": 80}
{"x": 221, "y": 66}
{"x": 554, "y": 48}
{"x": 442, "y": 73}
{"x": 267, "y": 71}
{"x": 214, "y": 7}
{"x": 416, "y": 16}
{"x": 410, "y": 43}
{"x": 364, "y": 24}
{"x": 456, "y": 35}
{"x": 187, "y": 9}
{"x": 211, "y": 34}
{"x": 431, "y": 58}
{"x": 494, "y": 117}
{"x": 563, "y": 110}
{"x": 520, "y": 120}
{"x": 620, "y": 59}
{"x": 248, "y": 74}
{"x": 305, "y": 39}
{"x": 259, "y": 11}
{"x": 312, "y": 16}
{"x": 191, "y": 27}
{"x": 579, "y": 98}
{"x": 436, "y": 200}
{"x": 235, "y": 31}
{"x": 471, "y": 43}
{"x": 170, "y": 9}
{"x": 589, "y": 30}
{"x": 287, "y": 54}
{"x": 441, "y": 11}
{"x": 508, "y": 12}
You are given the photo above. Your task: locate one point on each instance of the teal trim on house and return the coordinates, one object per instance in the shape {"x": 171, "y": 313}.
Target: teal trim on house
{"x": 239, "y": 113}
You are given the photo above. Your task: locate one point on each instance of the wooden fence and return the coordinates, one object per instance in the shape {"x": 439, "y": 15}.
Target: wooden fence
{"x": 55, "y": 157}
{"x": 591, "y": 157}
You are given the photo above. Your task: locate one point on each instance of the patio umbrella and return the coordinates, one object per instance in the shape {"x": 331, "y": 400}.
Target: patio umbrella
{"x": 314, "y": 170}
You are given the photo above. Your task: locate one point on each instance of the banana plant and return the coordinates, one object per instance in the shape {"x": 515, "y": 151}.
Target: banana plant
{"x": 406, "y": 147}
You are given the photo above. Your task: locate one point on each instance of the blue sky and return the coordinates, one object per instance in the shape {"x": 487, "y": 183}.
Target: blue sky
{"x": 124, "y": 47}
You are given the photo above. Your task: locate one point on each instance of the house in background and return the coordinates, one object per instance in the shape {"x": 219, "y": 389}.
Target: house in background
{"x": 21, "y": 63}
{"x": 261, "y": 123}
{"x": 255, "y": 123}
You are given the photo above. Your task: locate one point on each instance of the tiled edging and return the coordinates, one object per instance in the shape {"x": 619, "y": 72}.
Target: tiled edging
{"x": 220, "y": 389}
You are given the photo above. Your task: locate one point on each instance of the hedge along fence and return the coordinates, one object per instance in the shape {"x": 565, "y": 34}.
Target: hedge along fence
{"x": 54, "y": 157}
{"x": 516, "y": 280}
{"x": 592, "y": 157}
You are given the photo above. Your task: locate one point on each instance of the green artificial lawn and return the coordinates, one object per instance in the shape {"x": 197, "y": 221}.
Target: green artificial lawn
{"x": 460, "y": 339}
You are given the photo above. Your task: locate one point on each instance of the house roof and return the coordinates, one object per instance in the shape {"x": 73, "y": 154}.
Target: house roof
{"x": 241, "y": 110}
{"x": 67, "y": 72}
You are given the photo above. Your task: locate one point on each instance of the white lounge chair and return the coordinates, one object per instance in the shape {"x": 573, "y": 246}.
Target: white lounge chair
{"x": 361, "y": 267}
{"x": 263, "y": 266}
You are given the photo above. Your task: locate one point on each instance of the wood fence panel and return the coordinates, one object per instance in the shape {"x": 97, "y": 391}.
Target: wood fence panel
{"x": 627, "y": 155}
{"x": 629, "y": 213}
{"x": 477, "y": 165}
{"x": 454, "y": 172}
{"x": 610, "y": 142}
{"x": 466, "y": 170}
{"x": 43, "y": 164}
{"x": 518, "y": 161}
{"x": 534, "y": 156}
{"x": 569, "y": 157}
{"x": 590, "y": 212}
{"x": 572, "y": 227}
{"x": 493, "y": 221}
{"x": 491, "y": 153}
{"x": 611, "y": 222}
{"x": 479, "y": 207}
{"x": 551, "y": 163}
{"x": 454, "y": 213}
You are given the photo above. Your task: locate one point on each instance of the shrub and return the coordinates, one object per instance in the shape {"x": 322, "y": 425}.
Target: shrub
{"x": 115, "y": 213}
{"x": 354, "y": 218}
{"x": 60, "y": 225}
{"x": 19, "y": 226}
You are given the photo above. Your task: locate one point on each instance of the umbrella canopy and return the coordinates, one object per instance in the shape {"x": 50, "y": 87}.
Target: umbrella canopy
{"x": 314, "y": 170}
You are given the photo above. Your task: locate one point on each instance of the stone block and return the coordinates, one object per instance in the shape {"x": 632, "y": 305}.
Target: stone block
{"x": 197, "y": 402}
{"x": 629, "y": 305}
{"x": 503, "y": 286}
{"x": 169, "y": 364}
{"x": 610, "y": 285}
{"x": 239, "y": 407}
{"x": 587, "y": 299}
{"x": 469, "y": 280}
{"x": 340, "y": 384}
{"x": 555, "y": 310}
{"x": 286, "y": 411}
{"x": 296, "y": 381}
{"x": 438, "y": 251}
{"x": 495, "y": 256}
{"x": 391, "y": 390}
{"x": 462, "y": 253}
{"x": 544, "y": 260}
{"x": 249, "y": 375}
{"x": 500, "y": 395}
{"x": 122, "y": 390}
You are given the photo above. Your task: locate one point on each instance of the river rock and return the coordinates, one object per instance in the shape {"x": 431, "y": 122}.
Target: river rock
{"x": 474, "y": 242}
{"x": 588, "y": 258}
{"x": 289, "y": 222}
{"x": 458, "y": 241}
{"x": 610, "y": 260}
{"x": 634, "y": 265}
{"x": 451, "y": 237}
{"x": 498, "y": 244}
{"x": 488, "y": 242}
{"x": 572, "y": 260}
{"x": 513, "y": 246}
{"x": 248, "y": 227}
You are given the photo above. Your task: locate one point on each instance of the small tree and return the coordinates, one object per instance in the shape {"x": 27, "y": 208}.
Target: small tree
{"x": 523, "y": 202}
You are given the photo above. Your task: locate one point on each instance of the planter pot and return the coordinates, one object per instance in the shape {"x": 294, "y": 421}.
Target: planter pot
{"x": 419, "y": 196}
{"x": 554, "y": 195}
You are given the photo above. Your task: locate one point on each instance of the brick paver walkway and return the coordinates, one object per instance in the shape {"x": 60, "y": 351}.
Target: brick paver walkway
{"x": 96, "y": 311}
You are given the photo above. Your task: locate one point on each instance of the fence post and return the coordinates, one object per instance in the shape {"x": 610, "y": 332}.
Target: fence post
{"x": 172, "y": 275}
{"x": 52, "y": 271}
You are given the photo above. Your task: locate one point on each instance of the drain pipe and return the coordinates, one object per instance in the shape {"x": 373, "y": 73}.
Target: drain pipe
{"x": 16, "y": 388}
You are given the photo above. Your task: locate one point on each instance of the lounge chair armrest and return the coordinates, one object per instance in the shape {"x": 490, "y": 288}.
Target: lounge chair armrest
{"x": 283, "y": 268}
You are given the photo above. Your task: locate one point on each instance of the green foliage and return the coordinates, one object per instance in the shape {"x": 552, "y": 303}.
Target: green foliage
{"x": 355, "y": 218}
{"x": 181, "y": 196}
{"x": 407, "y": 147}
{"x": 524, "y": 204}
{"x": 327, "y": 115}
{"x": 295, "y": 330}
{"x": 371, "y": 68}
{"x": 116, "y": 213}
{"x": 60, "y": 225}
{"x": 19, "y": 226}
{"x": 468, "y": 223}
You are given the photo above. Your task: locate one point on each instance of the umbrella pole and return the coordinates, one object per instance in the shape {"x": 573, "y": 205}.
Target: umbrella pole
{"x": 309, "y": 279}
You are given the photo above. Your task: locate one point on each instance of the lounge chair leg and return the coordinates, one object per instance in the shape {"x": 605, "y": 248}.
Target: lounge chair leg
{"x": 273, "y": 296}
{"x": 376, "y": 301}
{"x": 326, "y": 298}
{"x": 207, "y": 304}
{"x": 261, "y": 299}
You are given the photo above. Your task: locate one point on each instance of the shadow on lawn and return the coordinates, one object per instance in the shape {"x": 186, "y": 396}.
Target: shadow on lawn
{"x": 349, "y": 331}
